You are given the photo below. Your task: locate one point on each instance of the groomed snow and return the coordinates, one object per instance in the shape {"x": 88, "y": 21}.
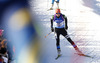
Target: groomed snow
{"x": 83, "y": 22}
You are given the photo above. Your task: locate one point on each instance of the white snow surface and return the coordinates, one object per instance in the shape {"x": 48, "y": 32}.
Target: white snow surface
{"x": 83, "y": 28}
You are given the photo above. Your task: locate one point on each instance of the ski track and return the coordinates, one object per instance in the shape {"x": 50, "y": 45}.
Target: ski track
{"x": 83, "y": 22}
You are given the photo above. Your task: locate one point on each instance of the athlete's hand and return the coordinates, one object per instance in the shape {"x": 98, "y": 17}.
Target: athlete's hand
{"x": 66, "y": 28}
{"x": 52, "y": 29}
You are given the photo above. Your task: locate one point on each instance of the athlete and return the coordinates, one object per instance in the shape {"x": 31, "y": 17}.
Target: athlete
{"x": 57, "y": 1}
{"x": 59, "y": 26}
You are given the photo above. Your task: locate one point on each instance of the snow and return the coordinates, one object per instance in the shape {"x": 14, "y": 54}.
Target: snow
{"x": 83, "y": 22}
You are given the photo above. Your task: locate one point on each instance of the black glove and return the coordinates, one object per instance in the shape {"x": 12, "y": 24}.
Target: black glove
{"x": 52, "y": 29}
{"x": 66, "y": 28}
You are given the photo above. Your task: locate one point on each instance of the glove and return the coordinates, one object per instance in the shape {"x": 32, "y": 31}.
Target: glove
{"x": 52, "y": 29}
{"x": 66, "y": 28}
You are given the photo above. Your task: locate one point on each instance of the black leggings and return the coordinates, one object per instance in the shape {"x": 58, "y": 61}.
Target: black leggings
{"x": 63, "y": 32}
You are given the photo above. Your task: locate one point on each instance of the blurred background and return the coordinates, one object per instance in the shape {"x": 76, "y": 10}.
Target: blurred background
{"x": 19, "y": 35}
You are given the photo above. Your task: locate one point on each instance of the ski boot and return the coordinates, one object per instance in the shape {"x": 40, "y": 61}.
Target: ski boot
{"x": 51, "y": 8}
{"x": 58, "y": 5}
{"x": 59, "y": 52}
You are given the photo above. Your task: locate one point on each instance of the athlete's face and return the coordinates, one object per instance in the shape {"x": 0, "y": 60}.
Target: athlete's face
{"x": 58, "y": 14}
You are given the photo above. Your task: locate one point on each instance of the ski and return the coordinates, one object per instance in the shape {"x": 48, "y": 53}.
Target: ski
{"x": 50, "y": 9}
{"x": 54, "y": 9}
{"x": 63, "y": 9}
{"x": 83, "y": 55}
{"x": 58, "y": 56}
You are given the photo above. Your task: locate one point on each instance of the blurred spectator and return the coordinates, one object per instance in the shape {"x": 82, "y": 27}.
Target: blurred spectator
{"x": 16, "y": 20}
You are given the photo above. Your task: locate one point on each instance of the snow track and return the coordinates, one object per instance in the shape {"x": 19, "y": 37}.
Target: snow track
{"x": 83, "y": 22}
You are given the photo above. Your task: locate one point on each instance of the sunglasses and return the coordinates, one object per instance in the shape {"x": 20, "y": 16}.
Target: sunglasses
{"x": 57, "y": 13}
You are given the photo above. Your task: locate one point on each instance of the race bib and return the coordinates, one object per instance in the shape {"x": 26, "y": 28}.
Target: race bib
{"x": 58, "y": 24}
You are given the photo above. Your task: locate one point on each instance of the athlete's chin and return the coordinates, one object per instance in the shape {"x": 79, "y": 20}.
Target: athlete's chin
{"x": 58, "y": 16}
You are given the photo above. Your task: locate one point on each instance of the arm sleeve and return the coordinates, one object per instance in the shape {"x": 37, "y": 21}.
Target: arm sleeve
{"x": 66, "y": 23}
{"x": 52, "y": 21}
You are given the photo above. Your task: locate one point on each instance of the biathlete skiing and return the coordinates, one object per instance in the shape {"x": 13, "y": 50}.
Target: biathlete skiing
{"x": 57, "y": 1}
{"x": 59, "y": 27}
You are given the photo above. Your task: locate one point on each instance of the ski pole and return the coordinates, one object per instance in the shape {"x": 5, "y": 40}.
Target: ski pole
{"x": 48, "y": 34}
